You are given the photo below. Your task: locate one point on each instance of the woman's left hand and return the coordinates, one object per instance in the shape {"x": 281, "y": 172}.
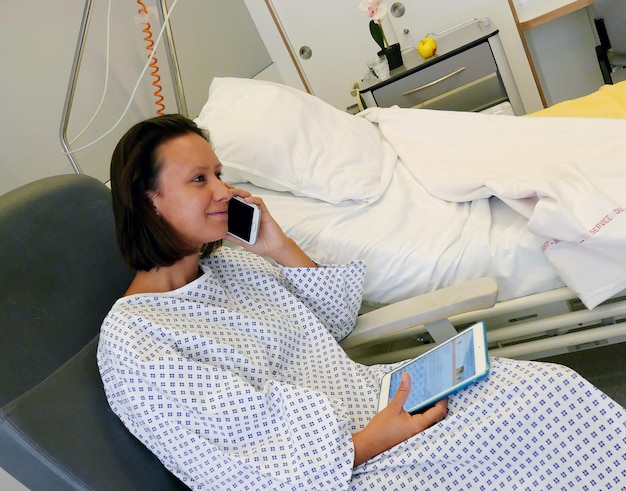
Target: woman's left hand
{"x": 394, "y": 425}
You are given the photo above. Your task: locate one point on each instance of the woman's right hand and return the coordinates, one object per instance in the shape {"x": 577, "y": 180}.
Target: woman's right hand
{"x": 393, "y": 424}
{"x": 271, "y": 240}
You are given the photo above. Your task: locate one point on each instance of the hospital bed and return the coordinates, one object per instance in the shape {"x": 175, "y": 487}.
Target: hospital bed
{"x": 341, "y": 186}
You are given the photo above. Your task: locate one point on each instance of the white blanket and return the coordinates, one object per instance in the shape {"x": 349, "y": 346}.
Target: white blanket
{"x": 566, "y": 175}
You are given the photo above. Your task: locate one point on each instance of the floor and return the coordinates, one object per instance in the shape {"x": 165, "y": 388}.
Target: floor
{"x": 604, "y": 367}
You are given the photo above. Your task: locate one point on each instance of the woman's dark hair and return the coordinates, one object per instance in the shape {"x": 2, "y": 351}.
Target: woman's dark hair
{"x": 145, "y": 239}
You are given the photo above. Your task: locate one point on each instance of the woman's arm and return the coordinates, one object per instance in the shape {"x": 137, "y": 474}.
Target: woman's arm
{"x": 291, "y": 256}
{"x": 393, "y": 424}
{"x": 333, "y": 293}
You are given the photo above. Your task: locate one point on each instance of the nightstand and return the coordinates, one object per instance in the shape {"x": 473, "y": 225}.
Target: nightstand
{"x": 469, "y": 72}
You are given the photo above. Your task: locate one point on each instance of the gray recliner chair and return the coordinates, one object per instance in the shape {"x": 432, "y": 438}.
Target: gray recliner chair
{"x": 60, "y": 272}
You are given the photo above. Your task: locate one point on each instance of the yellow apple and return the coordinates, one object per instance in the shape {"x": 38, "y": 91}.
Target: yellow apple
{"x": 427, "y": 47}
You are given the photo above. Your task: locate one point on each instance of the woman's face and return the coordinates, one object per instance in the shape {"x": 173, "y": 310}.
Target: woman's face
{"x": 190, "y": 194}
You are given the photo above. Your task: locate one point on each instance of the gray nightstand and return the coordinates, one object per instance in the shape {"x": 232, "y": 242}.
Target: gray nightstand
{"x": 469, "y": 72}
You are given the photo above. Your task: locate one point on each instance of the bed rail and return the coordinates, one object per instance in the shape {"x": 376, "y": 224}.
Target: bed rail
{"x": 528, "y": 327}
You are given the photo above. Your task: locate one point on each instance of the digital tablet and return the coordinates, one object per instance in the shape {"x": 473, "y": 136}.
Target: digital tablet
{"x": 445, "y": 369}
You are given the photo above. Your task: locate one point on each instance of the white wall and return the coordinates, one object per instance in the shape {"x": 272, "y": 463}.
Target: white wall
{"x": 215, "y": 38}
{"x": 564, "y": 55}
{"x": 39, "y": 38}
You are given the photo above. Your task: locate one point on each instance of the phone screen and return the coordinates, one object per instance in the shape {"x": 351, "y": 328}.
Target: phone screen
{"x": 445, "y": 366}
{"x": 240, "y": 219}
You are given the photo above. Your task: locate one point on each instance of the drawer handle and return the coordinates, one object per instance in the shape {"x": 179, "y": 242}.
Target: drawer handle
{"x": 434, "y": 82}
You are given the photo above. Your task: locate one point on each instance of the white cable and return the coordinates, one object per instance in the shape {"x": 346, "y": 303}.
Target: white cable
{"x": 132, "y": 95}
{"x": 106, "y": 77}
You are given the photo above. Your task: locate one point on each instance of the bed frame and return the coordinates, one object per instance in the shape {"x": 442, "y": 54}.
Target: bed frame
{"x": 530, "y": 327}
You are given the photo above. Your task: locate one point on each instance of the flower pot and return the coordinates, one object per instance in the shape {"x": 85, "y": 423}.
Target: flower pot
{"x": 393, "y": 54}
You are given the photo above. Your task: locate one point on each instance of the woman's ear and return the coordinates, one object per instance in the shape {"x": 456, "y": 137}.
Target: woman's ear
{"x": 151, "y": 195}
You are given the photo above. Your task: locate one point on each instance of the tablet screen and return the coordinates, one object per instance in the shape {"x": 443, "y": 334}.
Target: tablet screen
{"x": 445, "y": 366}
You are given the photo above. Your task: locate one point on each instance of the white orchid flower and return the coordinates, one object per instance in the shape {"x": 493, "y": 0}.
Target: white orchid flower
{"x": 374, "y": 9}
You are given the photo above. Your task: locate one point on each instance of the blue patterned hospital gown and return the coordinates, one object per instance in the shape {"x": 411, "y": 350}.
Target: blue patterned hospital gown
{"x": 235, "y": 381}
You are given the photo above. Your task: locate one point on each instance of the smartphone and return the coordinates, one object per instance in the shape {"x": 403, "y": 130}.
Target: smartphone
{"x": 243, "y": 220}
{"x": 445, "y": 369}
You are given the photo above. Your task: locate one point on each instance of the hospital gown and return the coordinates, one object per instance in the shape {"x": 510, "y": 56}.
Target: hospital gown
{"x": 236, "y": 381}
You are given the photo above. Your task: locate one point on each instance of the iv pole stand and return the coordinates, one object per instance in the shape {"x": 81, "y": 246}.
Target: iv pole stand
{"x": 78, "y": 56}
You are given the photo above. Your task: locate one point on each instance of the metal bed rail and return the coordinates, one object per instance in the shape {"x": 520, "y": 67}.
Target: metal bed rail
{"x": 527, "y": 327}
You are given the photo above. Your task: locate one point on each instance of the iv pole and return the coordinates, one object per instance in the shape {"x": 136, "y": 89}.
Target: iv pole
{"x": 78, "y": 55}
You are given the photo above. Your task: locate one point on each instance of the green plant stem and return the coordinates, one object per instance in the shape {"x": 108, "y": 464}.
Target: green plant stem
{"x": 380, "y": 23}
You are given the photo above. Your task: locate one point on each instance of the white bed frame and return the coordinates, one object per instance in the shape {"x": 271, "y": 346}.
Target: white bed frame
{"x": 531, "y": 327}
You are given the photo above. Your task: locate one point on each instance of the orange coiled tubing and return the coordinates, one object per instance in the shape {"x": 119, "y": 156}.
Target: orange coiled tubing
{"x": 154, "y": 63}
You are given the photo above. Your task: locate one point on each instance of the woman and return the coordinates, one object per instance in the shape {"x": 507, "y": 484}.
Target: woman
{"x": 225, "y": 363}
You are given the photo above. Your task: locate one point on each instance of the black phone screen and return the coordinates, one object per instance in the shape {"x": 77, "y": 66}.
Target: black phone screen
{"x": 240, "y": 217}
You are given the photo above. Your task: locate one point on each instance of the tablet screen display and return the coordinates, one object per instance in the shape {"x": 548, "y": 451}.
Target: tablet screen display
{"x": 445, "y": 366}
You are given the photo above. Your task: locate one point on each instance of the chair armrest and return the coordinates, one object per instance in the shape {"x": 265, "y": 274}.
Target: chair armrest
{"x": 381, "y": 324}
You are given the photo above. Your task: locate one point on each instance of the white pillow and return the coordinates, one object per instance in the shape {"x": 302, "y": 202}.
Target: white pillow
{"x": 284, "y": 139}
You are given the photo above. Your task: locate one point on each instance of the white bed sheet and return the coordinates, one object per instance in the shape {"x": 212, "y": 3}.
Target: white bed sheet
{"x": 566, "y": 175}
{"x": 416, "y": 193}
{"x": 413, "y": 242}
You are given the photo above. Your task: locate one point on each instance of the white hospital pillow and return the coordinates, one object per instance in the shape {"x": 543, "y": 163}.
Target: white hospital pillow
{"x": 280, "y": 138}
